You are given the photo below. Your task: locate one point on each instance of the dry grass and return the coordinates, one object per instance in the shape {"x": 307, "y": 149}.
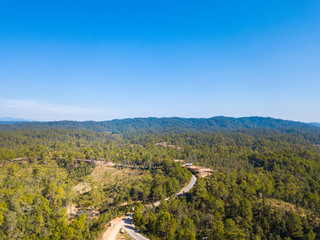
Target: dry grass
{"x": 288, "y": 207}
{"x": 104, "y": 174}
{"x": 123, "y": 236}
{"x": 82, "y": 188}
{"x": 165, "y": 144}
{"x": 104, "y": 177}
{"x": 179, "y": 160}
{"x": 110, "y": 175}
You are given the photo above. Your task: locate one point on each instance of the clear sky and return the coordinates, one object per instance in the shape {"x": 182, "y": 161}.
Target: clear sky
{"x": 100, "y": 60}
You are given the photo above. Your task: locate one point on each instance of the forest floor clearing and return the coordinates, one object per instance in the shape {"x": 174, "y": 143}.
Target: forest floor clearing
{"x": 102, "y": 176}
{"x": 109, "y": 174}
{"x": 198, "y": 170}
{"x": 105, "y": 174}
{"x": 82, "y": 188}
{"x": 201, "y": 171}
{"x": 288, "y": 207}
{"x": 165, "y": 144}
{"x": 179, "y": 160}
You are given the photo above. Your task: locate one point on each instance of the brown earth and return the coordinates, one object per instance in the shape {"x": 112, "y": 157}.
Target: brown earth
{"x": 165, "y": 144}
{"x": 200, "y": 171}
{"x": 112, "y": 231}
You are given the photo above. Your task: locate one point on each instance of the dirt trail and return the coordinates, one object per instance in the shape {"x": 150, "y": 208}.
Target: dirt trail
{"x": 127, "y": 222}
{"x": 112, "y": 232}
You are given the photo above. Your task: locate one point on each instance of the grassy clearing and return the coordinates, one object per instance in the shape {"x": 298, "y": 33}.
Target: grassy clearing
{"x": 111, "y": 175}
{"x": 105, "y": 186}
{"x": 288, "y": 207}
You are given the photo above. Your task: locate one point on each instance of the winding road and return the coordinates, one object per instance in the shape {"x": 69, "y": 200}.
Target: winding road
{"x": 130, "y": 229}
{"x": 127, "y": 222}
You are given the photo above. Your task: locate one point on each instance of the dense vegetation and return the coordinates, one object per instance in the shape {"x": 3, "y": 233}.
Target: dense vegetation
{"x": 39, "y": 170}
{"x": 259, "y": 174}
{"x": 239, "y": 205}
{"x": 266, "y": 181}
{"x": 315, "y": 124}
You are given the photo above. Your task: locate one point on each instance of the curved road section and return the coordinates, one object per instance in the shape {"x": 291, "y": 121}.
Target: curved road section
{"x": 128, "y": 221}
{"x": 130, "y": 229}
{"x": 182, "y": 191}
{"x": 188, "y": 187}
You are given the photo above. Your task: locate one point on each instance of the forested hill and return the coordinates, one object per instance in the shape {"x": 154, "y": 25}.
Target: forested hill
{"x": 203, "y": 125}
{"x": 316, "y": 124}
{"x": 7, "y": 120}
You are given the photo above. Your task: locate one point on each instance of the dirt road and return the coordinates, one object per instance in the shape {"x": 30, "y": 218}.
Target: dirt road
{"x": 112, "y": 232}
{"x": 127, "y": 222}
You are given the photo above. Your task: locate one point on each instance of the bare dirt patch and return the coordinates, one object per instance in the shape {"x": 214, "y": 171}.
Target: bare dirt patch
{"x": 106, "y": 174}
{"x": 82, "y": 188}
{"x": 72, "y": 210}
{"x": 113, "y": 228}
{"x": 179, "y": 160}
{"x": 165, "y": 144}
{"x": 201, "y": 171}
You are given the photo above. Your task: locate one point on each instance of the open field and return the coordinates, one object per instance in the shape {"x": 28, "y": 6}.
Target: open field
{"x": 110, "y": 175}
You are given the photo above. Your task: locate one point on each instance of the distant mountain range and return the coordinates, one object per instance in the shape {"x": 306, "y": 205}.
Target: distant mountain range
{"x": 315, "y": 124}
{"x": 5, "y": 120}
{"x": 174, "y": 124}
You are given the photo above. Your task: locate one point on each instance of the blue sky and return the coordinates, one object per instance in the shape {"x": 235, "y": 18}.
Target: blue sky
{"x": 100, "y": 60}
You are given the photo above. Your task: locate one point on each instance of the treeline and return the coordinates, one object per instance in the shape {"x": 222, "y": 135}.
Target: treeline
{"x": 167, "y": 125}
{"x": 230, "y": 150}
{"x": 218, "y": 150}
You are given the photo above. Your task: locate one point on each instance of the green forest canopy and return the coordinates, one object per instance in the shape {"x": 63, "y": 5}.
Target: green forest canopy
{"x": 256, "y": 173}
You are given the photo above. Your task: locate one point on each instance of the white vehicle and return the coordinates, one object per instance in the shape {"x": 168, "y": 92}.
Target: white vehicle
{"x": 188, "y": 164}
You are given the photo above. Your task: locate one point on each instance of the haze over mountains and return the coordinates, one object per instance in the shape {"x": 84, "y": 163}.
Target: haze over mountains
{"x": 163, "y": 124}
{"x": 315, "y": 124}
{"x": 4, "y": 120}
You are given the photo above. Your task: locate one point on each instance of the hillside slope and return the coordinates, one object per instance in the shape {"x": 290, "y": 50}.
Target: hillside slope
{"x": 315, "y": 124}
{"x": 175, "y": 124}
